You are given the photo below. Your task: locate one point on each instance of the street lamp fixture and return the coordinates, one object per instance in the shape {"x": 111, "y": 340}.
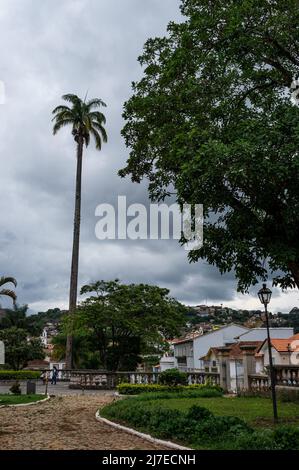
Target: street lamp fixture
{"x": 265, "y": 297}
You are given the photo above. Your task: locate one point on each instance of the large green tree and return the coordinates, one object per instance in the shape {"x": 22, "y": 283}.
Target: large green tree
{"x": 212, "y": 121}
{"x": 86, "y": 121}
{"x": 123, "y": 322}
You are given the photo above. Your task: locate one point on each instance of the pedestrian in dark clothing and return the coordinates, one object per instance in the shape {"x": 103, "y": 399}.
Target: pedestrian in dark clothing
{"x": 54, "y": 376}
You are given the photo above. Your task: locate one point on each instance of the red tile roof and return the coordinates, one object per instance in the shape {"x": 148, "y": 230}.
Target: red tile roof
{"x": 236, "y": 350}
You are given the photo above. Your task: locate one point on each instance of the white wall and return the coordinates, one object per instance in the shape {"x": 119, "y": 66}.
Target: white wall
{"x": 168, "y": 362}
{"x": 279, "y": 359}
{"x": 202, "y": 344}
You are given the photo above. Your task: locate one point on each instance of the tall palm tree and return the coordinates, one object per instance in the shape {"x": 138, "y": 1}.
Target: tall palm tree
{"x": 86, "y": 121}
{"x": 8, "y": 292}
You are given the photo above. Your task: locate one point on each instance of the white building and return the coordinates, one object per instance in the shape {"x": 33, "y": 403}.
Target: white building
{"x": 189, "y": 352}
{"x": 285, "y": 351}
{"x": 167, "y": 362}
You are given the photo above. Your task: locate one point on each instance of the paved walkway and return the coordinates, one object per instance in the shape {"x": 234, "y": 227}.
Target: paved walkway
{"x": 61, "y": 388}
{"x": 66, "y": 423}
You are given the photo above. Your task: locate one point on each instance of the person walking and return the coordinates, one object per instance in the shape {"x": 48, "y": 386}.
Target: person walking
{"x": 54, "y": 376}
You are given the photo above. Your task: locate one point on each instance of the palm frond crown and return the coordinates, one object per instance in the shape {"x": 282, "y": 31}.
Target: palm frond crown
{"x": 84, "y": 118}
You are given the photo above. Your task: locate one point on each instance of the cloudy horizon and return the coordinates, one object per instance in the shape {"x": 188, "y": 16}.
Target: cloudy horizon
{"x": 83, "y": 46}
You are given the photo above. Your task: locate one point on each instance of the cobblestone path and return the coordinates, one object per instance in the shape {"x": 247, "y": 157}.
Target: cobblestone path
{"x": 65, "y": 422}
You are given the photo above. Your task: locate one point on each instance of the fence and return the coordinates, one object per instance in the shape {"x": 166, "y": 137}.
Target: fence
{"x": 110, "y": 380}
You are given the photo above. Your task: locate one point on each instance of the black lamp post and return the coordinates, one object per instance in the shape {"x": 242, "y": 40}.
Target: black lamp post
{"x": 265, "y": 296}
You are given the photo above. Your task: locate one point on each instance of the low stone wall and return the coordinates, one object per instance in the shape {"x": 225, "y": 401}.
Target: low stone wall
{"x": 285, "y": 393}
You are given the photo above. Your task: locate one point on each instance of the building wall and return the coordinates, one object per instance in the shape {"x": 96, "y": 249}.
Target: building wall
{"x": 221, "y": 337}
{"x": 168, "y": 363}
{"x": 279, "y": 359}
{"x": 183, "y": 353}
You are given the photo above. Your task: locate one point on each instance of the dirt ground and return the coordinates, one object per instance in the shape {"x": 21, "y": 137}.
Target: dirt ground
{"x": 64, "y": 423}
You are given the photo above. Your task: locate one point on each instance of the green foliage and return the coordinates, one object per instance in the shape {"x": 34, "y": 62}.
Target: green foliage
{"x": 36, "y": 322}
{"x": 195, "y": 427}
{"x": 15, "y": 317}
{"x": 6, "y": 399}
{"x": 123, "y": 322}
{"x": 19, "y": 375}
{"x": 18, "y": 349}
{"x": 173, "y": 377}
{"x": 212, "y": 118}
{"x": 15, "y": 389}
{"x": 198, "y": 427}
{"x": 281, "y": 438}
{"x": 156, "y": 391}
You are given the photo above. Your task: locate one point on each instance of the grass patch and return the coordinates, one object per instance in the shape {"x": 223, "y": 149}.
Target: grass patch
{"x": 210, "y": 423}
{"x": 8, "y": 399}
{"x": 255, "y": 411}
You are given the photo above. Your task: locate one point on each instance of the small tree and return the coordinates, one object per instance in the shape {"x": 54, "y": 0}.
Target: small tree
{"x": 18, "y": 349}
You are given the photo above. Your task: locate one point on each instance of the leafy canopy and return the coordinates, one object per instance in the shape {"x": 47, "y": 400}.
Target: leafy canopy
{"x": 212, "y": 118}
{"x": 19, "y": 349}
{"x": 123, "y": 322}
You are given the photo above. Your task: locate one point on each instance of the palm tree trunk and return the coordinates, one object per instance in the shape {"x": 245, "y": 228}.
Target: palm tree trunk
{"x": 75, "y": 256}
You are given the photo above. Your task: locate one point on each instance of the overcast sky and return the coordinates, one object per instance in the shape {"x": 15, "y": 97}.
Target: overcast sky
{"x": 49, "y": 48}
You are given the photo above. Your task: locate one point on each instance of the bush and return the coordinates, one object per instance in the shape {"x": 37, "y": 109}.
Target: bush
{"x": 183, "y": 391}
{"x": 198, "y": 413}
{"x": 15, "y": 389}
{"x": 258, "y": 440}
{"x": 173, "y": 377}
{"x": 286, "y": 438}
{"x": 198, "y": 427}
{"x": 19, "y": 374}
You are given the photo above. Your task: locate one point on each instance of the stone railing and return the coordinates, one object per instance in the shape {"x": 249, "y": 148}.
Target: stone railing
{"x": 258, "y": 383}
{"x": 109, "y": 380}
{"x": 287, "y": 376}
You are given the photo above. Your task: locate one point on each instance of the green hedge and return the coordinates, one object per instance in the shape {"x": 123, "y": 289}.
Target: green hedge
{"x": 198, "y": 427}
{"x": 19, "y": 374}
{"x": 136, "y": 389}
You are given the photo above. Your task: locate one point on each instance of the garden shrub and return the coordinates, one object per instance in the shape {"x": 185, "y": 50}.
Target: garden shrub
{"x": 173, "y": 377}
{"x": 281, "y": 438}
{"x": 258, "y": 440}
{"x": 15, "y": 389}
{"x": 198, "y": 413}
{"x": 286, "y": 437}
{"x": 19, "y": 374}
{"x": 183, "y": 390}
